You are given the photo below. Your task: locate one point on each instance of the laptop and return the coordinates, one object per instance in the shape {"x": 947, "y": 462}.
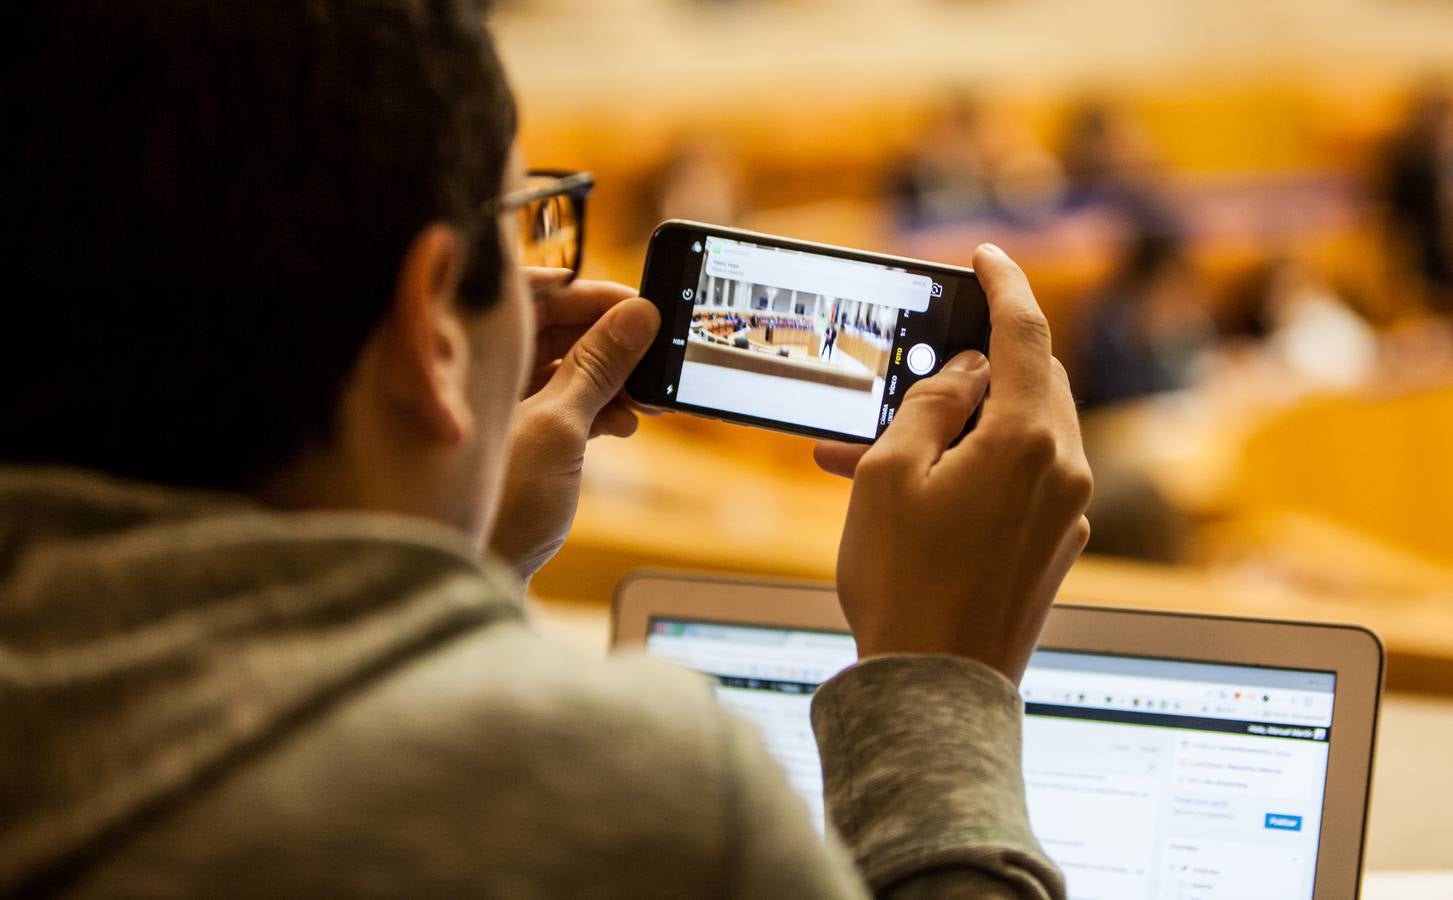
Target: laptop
{"x": 1165, "y": 755}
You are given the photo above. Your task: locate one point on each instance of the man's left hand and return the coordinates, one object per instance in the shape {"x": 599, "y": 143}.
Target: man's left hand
{"x": 589, "y": 337}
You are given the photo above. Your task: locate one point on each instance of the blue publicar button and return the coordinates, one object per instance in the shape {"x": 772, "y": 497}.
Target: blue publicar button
{"x": 1283, "y": 823}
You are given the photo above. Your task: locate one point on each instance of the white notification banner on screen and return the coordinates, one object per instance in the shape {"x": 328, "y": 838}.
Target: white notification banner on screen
{"x": 844, "y": 279}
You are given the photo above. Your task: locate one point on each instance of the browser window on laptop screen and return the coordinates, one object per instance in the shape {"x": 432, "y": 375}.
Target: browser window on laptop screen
{"x": 1146, "y": 778}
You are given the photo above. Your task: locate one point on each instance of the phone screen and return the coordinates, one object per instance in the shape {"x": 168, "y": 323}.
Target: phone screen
{"x": 822, "y": 343}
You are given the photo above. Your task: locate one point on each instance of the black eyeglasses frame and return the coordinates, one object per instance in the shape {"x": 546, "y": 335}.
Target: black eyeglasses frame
{"x": 576, "y": 185}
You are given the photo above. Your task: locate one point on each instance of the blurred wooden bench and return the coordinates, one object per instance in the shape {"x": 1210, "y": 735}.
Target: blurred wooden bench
{"x": 764, "y": 363}
{"x": 1375, "y": 461}
{"x": 653, "y": 501}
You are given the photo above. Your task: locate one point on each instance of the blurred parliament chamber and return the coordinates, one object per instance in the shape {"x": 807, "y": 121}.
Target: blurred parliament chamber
{"x": 1300, "y": 501}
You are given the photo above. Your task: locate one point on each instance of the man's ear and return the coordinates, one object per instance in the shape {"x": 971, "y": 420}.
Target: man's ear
{"x": 423, "y": 347}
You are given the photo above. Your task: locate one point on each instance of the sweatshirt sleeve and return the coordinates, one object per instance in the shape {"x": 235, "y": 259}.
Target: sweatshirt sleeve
{"x": 921, "y": 761}
{"x": 773, "y": 847}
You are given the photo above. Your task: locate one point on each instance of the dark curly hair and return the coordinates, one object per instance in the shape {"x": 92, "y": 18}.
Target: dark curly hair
{"x": 206, "y": 206}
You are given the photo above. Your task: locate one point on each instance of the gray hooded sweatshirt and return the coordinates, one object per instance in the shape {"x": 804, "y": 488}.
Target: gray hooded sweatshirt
{"x": 203, "y": 697}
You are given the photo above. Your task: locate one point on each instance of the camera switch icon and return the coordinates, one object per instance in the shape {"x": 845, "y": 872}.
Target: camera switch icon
{"x": 688, "y": 294}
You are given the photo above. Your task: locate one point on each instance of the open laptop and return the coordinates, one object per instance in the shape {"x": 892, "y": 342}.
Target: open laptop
{"x": 1165, "y": 755}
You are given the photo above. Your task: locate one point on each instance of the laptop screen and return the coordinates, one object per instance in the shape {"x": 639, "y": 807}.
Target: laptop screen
{"x": 1145, "y": 777}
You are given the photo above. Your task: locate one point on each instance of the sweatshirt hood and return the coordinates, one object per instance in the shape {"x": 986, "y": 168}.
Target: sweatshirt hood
{"x": 150, "y": 636}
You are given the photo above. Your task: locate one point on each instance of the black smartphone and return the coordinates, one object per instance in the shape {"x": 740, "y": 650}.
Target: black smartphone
{"x": 794, "y": 336}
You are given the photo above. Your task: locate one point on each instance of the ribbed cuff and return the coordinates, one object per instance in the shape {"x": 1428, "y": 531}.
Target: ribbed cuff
{"x": 921, "y": 761}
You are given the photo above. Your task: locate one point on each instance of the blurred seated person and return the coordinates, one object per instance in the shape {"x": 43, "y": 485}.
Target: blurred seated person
{"x": 971, "y": 164}
{"x": 1418, "y": 182}
{"x": 1111, "y": 163}
{"x": 1145, "y": 333}
{"x": 287, "y": 422}
{"x": 1147, "y": 329}
{"x": 1309, "y": 336}
{"x": 945, "y": 178}
{"x": 697, "y": 180}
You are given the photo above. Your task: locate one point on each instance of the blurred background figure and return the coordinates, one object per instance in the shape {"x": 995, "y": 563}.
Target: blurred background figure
{"x": 1110, "y": 162}
{"x": 1312, "y": 335}
{"x": 696, "y": 180}
{"x": 946, "y": 176}
{"x": 1418, "y": 179}
{"x": 1147, "y": 329}
{"x": 969, "y": 163}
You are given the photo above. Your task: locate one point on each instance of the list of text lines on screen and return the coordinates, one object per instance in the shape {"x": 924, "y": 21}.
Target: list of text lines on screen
{"x": 1146, "y": 778}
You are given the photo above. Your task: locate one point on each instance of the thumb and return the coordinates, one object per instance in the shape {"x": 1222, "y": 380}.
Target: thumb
{"x": 596, "y": 366}
{"x": 839, "y": 458}
{"x": 936, "y": 409}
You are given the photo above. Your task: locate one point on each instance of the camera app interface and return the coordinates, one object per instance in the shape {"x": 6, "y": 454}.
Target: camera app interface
{"x": 803, "y": 338}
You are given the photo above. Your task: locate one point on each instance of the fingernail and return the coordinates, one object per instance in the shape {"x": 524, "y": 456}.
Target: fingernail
{"x": 968, "y": 361}
{"x": 634, "y": 324}
{"x": 992, "y": 248}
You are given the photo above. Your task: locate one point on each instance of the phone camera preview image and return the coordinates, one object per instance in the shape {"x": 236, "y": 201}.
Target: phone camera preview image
{"x": 804, "y": 339}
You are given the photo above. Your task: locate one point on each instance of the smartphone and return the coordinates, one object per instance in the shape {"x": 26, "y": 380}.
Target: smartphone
{"x": 798, "y": 337}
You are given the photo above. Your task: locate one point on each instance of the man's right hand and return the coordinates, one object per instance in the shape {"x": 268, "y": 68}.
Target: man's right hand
{"x": 961, "y": 550}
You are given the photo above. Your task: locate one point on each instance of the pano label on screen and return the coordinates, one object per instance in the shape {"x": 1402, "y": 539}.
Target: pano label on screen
{"x": 842, "y": 278}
